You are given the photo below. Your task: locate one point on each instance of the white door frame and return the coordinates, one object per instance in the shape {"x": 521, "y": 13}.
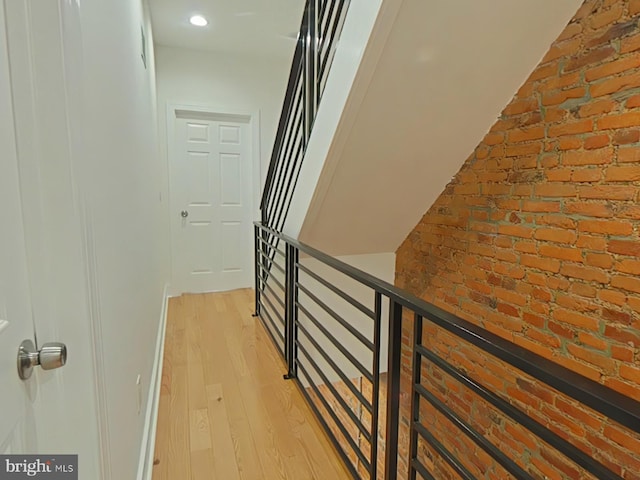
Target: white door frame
{"x": 252, "y": 118}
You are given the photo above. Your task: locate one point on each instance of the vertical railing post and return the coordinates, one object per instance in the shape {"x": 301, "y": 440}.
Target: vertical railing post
{"x": 256, "y": 266}
{"x": 312, "y": 60}
{"x": 393, "y": 390}
{"x": 375, "y": 400}
{"x": 290, "y": 318}
{"x": 415, "y": 396}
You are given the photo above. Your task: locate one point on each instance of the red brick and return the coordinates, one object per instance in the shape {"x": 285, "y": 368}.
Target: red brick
{"x": 634, "y": 101}
{"x": 628, "y": 266}
{"x": 623, "y": 174}
{"x": 624, "y": 247}
{"x": 609, "y": 227}
{"x": 607, "y": 17}
{"x": 592, "y": 357}
{"x": 550, "y": 265}
{"x": 626, "y": 283}
{"x": 518, "y": 107}
{"x": 630, "y": 44}
{"x": 581, "y": 126}
{"x": 601, "y": 260}
{"x": 592, "y": 57}
{"x": 585, "y": 273}
{"x": 623, "y": 120}
{"x": 586, "y": 175}
{"x": 561, "y": 50}
{"x": 589, "y": 209}
{"x": 560, "y": 96}
{"x": 607, "y": 192}
{"x": 597, "y": 141}
{"x": 628, "y": 155}
{"x": 597, "y": 108}
{"x": 612, "y": 68}
{"x": 561, "y": 253}
{"x": 556, "y": 235}
{"x": 625, "y": 137}
{"x": 615, "y": 85}
{"x": 593, "y": 157}
{"x": 526, "y": 134}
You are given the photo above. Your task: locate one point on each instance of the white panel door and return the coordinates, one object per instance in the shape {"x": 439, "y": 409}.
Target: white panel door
{"x": 16, "y": 418}
{"x": 211, "y": 203}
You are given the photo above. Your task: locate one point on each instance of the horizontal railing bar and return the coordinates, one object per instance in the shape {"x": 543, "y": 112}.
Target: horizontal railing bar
{"x": 273, "y": 324}
{"x": 474, "y": 435}
{"x": 421, "y": 469}
{"x": 354, "y": 361}
{"x": 443, "y": 452}
{"x": 328, "y": 431}
{"x": 336, "y": 369}
{"x": 350, "y": 328}
{"x": 335, "y": 393}
{"x": 348, "y": 298}
{"x": 271, "y": 320}
{"x": 287, "y": 146}
{"x": 275, "y": 295}
{"x": 272, "y": 247}
{"x": 600, "y": 398}
{"x": 286, "y": 203}
{"x": 272, "y": 262}
{"x": 271, "y": 277}
{"x": 557, "y": 442}
{"x": 288, "y": 160}
{"x": 335, "y": 418}
{"x": 274, "y": 310}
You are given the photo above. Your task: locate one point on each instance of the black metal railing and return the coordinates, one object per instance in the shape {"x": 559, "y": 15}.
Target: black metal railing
{"x": 329, "y": 321}
{"x": 319, "y": 32}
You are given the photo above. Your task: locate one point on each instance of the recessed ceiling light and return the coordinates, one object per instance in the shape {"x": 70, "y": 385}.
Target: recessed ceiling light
{"x": 198, "y": 21}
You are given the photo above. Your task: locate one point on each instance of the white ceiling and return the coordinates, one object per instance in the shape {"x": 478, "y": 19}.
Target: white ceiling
{"x": 260, "y": 27}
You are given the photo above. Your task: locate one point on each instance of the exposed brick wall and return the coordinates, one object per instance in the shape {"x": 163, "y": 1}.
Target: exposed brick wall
{"x": 537, "y": 239}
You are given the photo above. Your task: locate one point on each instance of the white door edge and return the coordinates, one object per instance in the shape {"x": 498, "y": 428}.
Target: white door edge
{"x": 175, "y": 110}
{"x": 63, "y": 37}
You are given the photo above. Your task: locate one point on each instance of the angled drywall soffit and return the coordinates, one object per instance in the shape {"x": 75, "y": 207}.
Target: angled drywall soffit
{"x": 442, "y": 78}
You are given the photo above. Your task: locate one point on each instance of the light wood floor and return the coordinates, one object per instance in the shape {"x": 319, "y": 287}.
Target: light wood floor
{"x": 225, "y": 411}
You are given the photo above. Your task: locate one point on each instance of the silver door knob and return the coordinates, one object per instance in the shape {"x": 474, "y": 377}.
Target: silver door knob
{"x": 184, "y": 214}
{"x": 51, "y": 355}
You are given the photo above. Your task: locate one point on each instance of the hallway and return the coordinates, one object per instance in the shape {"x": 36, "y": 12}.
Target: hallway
{"x": 225, "y": 411}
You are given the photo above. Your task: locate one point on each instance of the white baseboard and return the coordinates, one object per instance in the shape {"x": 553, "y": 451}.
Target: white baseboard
{"x": 145, "y": 465}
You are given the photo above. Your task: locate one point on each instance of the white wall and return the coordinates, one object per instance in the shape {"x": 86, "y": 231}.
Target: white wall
{"x": 90, "y": 184}
{"x": 230, "y": 82}
{"x": 120, "y": 179}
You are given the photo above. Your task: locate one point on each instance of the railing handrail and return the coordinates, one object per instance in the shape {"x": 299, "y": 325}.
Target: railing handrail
{"x": 600, "y": 398}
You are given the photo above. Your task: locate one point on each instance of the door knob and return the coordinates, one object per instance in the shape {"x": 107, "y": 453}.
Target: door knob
{"x": 51, "y": 355}
{"x": 184, "y": 214}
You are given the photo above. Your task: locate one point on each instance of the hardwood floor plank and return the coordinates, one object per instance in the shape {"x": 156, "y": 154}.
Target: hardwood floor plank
{"x": 225, "y": 411}
{"x": 202, "y": 466}
{"x": 200, "y": 430}
{"x": 224, "y": 452}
